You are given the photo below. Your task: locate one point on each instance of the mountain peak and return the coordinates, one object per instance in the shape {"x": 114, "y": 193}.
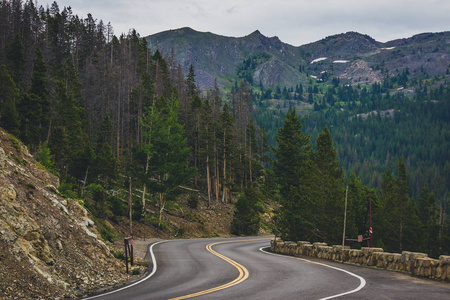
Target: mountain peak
{"x": 185, "y": 30}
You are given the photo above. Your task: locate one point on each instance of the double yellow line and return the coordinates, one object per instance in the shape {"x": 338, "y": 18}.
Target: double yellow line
{"x": 243, "y": 272}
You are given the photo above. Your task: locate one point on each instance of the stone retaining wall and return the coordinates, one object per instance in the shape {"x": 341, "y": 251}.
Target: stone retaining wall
{"x": 418, "y": 264}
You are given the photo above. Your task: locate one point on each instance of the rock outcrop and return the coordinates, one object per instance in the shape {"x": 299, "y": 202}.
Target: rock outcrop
{"x": 46, "y": 248}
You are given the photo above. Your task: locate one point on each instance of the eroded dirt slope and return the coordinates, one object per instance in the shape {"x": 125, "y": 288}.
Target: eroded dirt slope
{"x": 49, "y": 248}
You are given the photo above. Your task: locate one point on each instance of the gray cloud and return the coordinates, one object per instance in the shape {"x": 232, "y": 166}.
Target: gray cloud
{"x": 294, "y": 21}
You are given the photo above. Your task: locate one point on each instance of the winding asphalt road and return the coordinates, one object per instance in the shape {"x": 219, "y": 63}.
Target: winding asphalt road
{"x": 241, "y": 269}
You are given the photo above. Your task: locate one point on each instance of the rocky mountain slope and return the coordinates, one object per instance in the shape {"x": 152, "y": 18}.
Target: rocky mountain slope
{"x": 353, "y": 57}
{"x": 49, "y": 248}
{"x": 214, "y": 56}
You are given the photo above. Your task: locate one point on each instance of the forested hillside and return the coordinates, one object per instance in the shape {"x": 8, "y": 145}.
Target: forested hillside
{"x": 399, "y": 89}
{"x": 99, "y": 110}
{"x": 372, "y": 128}
{"x": 117, "y": 120}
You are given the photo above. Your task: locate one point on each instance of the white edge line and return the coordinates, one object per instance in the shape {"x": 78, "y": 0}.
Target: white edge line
{"x": 362, "y": 280}
{"x": 155, "y": 267}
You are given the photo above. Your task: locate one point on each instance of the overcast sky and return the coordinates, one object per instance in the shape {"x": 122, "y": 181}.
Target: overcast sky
{"x": 296, "y": 22}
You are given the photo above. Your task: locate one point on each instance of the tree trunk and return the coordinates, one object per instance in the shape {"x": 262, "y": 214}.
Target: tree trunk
{"x": 250, "y": 157}
{"x": 118, "y": 124}
{"x": 145, "y": 186}
{"x": 130, "y": 208}
{"x": 224, "y": 193}
{"x": 161, "y": 208}
{"x": 208, "y": 179}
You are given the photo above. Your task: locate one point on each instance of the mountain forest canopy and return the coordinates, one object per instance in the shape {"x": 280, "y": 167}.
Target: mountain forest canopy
{"x": 106, "y": 113}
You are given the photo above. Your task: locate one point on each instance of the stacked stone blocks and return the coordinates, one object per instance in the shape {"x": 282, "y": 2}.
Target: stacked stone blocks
{"x": 418, "y": 264}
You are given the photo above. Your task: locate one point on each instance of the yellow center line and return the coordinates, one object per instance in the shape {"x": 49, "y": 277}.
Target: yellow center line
{"x": 243, "y": 272}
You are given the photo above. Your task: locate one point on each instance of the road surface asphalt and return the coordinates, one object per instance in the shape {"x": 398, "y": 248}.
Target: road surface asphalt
{"x": 239, "y": 268}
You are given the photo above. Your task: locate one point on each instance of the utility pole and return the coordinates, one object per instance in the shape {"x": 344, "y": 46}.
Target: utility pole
{"x": 130, "y": 205}
{"x": 370, "y": 222}
{"x": 345, "y": 215}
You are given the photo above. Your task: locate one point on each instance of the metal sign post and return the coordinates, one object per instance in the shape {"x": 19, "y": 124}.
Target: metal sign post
{"x": 360, "y": 239}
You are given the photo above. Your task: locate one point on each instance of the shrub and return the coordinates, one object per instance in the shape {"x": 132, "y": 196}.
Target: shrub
{"x": 193, "y": 201}
{"x": 136, "y": 271}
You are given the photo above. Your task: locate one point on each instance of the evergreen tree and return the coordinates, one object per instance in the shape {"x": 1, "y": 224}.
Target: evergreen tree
{"x": 165, "y": 145}
{"x": 246, "y": 220}
{"x": 104, "y": 168}
{"x": 226, "y": 135}
{"x": 16, "y": 60}
{"x": 429, "y": 222}
{"x": 44, "y": 156}
{"x": 9, "y": 117}
{"x": 206, "y": 140}
{"x": 328, "y": 188}
{"x": 39, "y": 88}
{"x": 30, "y": 113}
{"x": 387, "y": 230}
{"x": 68, "y": 138}
{"x": 292, "y": 169}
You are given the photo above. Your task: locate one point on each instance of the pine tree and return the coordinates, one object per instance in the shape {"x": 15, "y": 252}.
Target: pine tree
{"x": 9, "y": 117}
{"x": 39, "y": 88}
{"x": 226, "y": 135}
{"x": 402, "y": 200}
{"x": 30, "y": 114}
{"x": 206, "y": 140}
{"x": 16, "y": 60}
{"x": 292, "y": 171}
{"x": 387, "y": 229}
{"x": 68, "y": 137}
{"x": 44, "y": 156}
{"x": 166, "y": 146}
{"x": 246, "y": 220}
{"x": 104, "y": 165}
{"x": 328, "y": 188}
{"x": 429, "y": 222}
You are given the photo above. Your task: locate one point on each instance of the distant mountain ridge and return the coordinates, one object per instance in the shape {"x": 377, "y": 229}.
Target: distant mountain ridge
{"x": 352, "y": 57}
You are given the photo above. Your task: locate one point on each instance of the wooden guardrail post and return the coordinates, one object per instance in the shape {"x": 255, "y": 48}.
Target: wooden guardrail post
{"x": 128, "y": 245}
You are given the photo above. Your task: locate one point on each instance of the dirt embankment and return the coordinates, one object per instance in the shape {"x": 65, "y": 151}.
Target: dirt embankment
{"x": 49, "y": 247}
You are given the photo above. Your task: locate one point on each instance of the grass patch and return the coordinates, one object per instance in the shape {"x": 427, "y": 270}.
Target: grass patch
{"x": 106, "y": 231}
{"x": 136, "y": 271}
{"x": 118, "y": 254}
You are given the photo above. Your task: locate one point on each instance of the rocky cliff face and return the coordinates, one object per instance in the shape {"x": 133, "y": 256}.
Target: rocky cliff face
{"x": 49, "y": 247}
{"x": 214, "y": 56}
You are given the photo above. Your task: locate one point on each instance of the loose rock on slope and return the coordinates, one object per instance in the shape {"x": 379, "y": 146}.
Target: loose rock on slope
{"x": 46, "y": 248}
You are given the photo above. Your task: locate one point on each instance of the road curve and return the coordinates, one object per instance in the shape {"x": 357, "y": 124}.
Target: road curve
{"x": 237, "y": 269}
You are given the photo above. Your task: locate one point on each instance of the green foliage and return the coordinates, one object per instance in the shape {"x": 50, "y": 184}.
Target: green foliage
{"x": 118, "y": 254}
{"x": 9, "y": 117}
{"x": 179, "y": 232}
{"x": 110, "y": 108}
{"x": 45, "y": 157}
{"x": 118, "y": 208}
{"x": 314, "y": 211}
{"x": 165, "y": 151}
{"x": 246, "y": 69}
{"x": 136, "y": 271}
{"x": 292, "y": 169}
{"x": 66, "y": 190}
{"x": 327, "y": 189}
{"x": 106, "y": 231}
{"x": 193, "y": 201}
{"x": 16, "y": 59}
{"x": 103, "y": 205}
{"x": 428, "y": 216}
{"x": 246, "y": 220}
